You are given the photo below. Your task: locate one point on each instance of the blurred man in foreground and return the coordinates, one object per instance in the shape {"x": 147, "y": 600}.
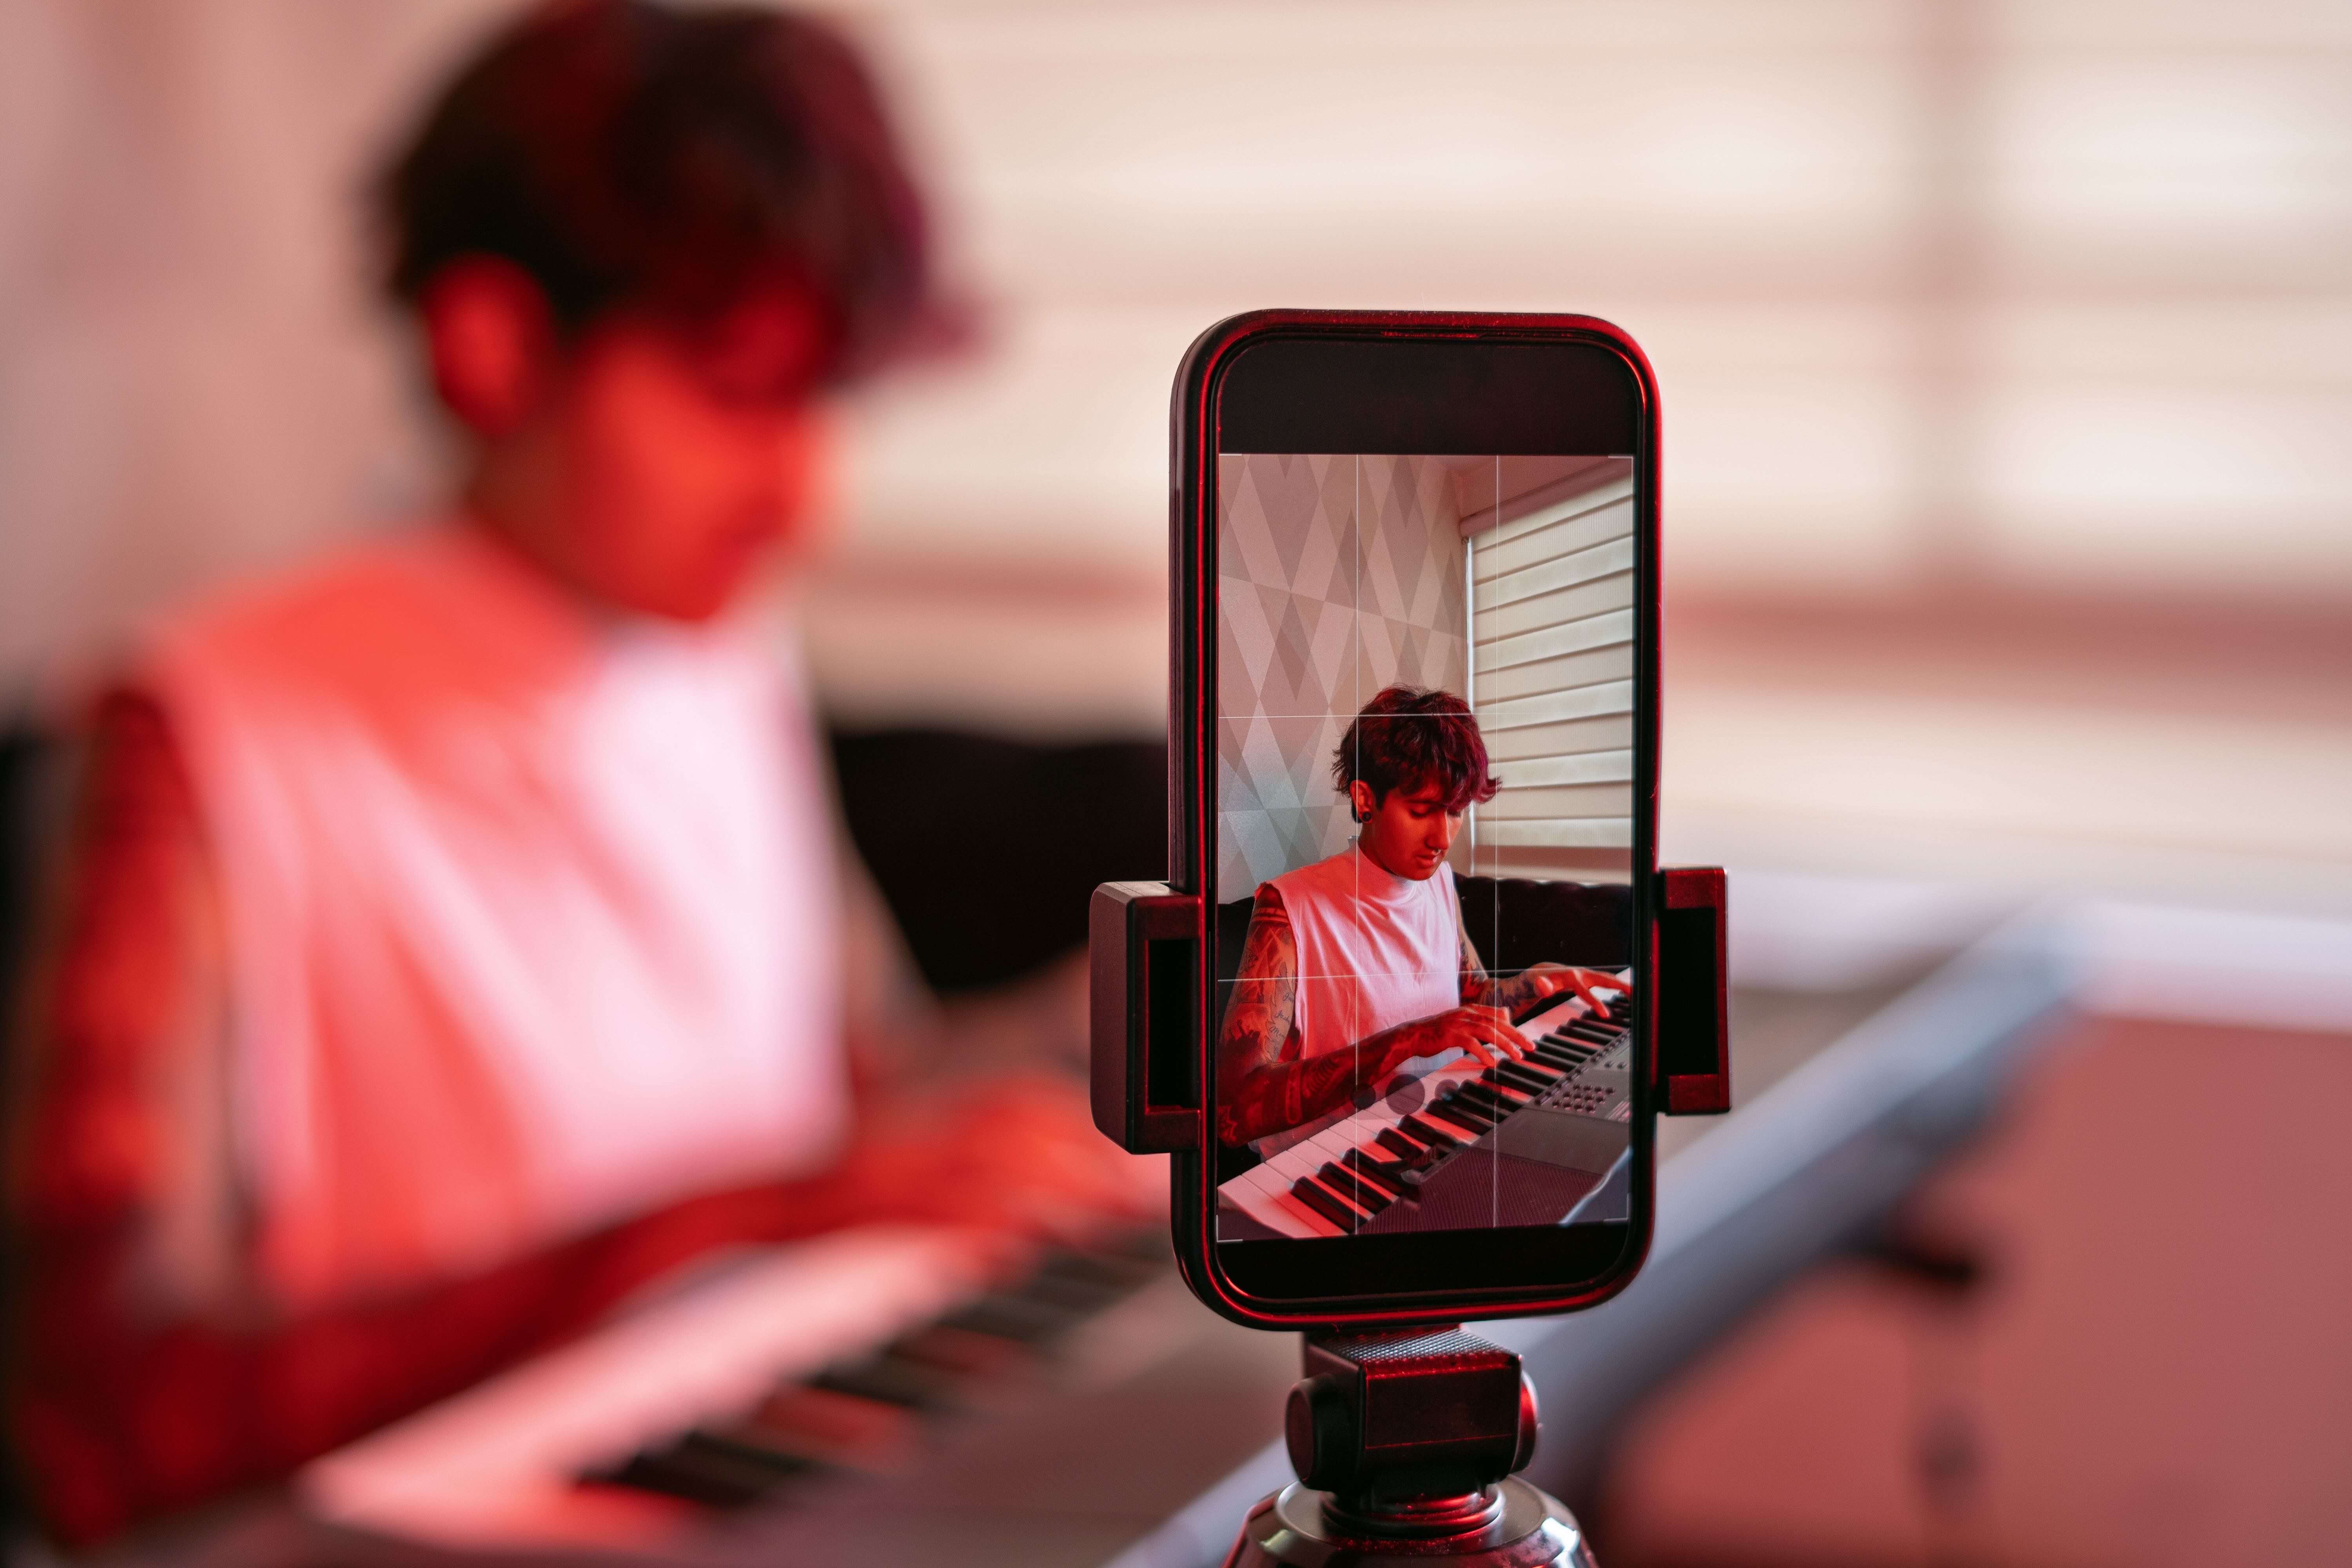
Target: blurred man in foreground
{"x": 455, "y": 936}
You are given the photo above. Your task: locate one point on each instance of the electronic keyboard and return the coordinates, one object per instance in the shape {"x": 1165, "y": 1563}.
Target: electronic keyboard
{"x": 828, "y": 1355}
{"x": 1532, "y": 1142}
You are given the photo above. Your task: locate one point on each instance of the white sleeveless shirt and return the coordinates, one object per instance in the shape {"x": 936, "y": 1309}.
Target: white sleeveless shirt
{"x": 532, "y": 915}
{"x": 1375, "y": 950}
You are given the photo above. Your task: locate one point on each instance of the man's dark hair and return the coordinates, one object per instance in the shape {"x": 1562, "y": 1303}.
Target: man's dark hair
{"x": 624, "y": 152}
{"x": 1410, "y": 737}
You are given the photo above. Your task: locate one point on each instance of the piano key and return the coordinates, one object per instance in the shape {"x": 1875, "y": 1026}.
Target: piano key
{"x": 1401, "y": 1144}
{"x": 1328, "y": 1203}
{"x": 1354, "y": 1188}
{"x": 699, "y": 1471}
{"x": 1544, "y": 1009}
{"x": 1431, "y": 1132}
{"x": 1389, "y": 1178}
{"x": 1453, "y": 1107}
{"x": 807, "y": 1422}
{"x": 1461, "y": 1097}
{"x": 1518, "y": 1075}
{"x": 745, "y": 1444}
{"x": 962, "y": 1353}
{"x": 1487, "y": 1099}
{"x": 891, "y": 1381}
{"x": 1010, "y": 1318}
{"x": 1084, "y": 1282}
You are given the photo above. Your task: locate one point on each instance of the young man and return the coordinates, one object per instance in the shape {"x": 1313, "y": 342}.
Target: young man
{"x": 455, "y": 937}
{"x": 1357, "y": 964}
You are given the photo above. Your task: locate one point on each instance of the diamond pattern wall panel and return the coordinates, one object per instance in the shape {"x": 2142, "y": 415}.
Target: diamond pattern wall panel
{"x": 1337, "y": 575}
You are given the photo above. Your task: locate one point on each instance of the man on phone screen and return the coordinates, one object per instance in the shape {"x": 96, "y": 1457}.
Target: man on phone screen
{"x": 1357, "y": 967}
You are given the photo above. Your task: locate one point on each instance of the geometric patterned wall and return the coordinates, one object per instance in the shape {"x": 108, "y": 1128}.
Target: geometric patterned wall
{"x": 1337, "y": 575}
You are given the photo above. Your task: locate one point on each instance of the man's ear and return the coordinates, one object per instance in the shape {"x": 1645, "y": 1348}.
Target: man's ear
{"x": 1360, "y": 798}
{"x": 492, "y": 341}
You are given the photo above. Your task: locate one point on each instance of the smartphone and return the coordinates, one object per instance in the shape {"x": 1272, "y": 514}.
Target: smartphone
{"x": 1394, "y": 1011}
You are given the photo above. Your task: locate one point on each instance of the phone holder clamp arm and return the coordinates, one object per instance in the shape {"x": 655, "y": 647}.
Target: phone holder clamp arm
{"x": 1143, "y": 943}
{"x": 1694, "y": 1055}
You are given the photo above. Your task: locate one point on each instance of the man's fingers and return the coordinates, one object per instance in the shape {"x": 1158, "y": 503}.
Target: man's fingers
{"x": 1587, "y": 983}
{"x": 1496, "y": 1024}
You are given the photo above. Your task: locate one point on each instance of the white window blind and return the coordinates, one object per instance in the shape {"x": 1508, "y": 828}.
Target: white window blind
{"x": 1552, "y": 678}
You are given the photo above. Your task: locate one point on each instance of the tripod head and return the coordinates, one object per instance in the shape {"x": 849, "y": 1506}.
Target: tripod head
{"x": 1405, "y": 1444}
{"x": 1408, "y": 1431}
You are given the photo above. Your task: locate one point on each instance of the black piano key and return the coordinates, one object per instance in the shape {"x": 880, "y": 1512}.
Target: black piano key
{"x": 744, "y": 1446}
{"x": 802, "y": 1421}
{"x": 1082, "y": 1283}
{"x": 1370, "y": 1168}
{"x": 1354, "y": 1188}
{"x": 1327, "y": 1204}
{"x": 1470, "y": 1095}
{"x": 1007, "y": 1317}
{"x": 960, "y": 1353}
{"x": 890, "y": 1380}
{"x": 1518, "y": 1075}
{"x": 1540, "y": 1006}
{"x": 1429, "y": 1133}
{"x": 1599, "y": 1034}
{"x": 1489, "y": 1102}
{"x": 1462, "y": 1112}
{"x": 1115, "y": 1273}
{"x": 699, "y": 1470}
{"x": 1403, "y": 1146}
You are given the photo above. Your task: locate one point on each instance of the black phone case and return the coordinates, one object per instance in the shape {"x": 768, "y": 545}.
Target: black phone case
{"x": 1364, "y": 1282}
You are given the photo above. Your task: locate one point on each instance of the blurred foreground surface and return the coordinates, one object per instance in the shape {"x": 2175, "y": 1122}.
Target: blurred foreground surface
{"x": 2151, "y": 1369}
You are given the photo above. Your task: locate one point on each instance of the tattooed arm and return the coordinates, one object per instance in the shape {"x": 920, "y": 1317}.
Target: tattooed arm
{"x": 1262, "y": 1088}
{"x": 1483, "y": 989}
{"x": 1258, "y": 1091}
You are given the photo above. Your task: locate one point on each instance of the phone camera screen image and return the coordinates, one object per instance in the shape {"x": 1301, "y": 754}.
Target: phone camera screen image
{"x": 1424, "y": 846}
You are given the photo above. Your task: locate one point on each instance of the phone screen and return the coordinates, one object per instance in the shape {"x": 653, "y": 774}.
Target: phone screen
{"x": 1424, "y": 841}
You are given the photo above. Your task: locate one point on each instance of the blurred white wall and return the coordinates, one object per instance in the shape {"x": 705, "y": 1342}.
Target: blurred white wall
{"x": 2002, "y": 298}
{"x": 194, "y": 381}
{"x": 2057, "y": 291}
{"x": 2052, "y": 292}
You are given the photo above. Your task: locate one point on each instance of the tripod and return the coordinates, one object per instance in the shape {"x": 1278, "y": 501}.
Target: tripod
{"x": 1406, "y": 1445}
